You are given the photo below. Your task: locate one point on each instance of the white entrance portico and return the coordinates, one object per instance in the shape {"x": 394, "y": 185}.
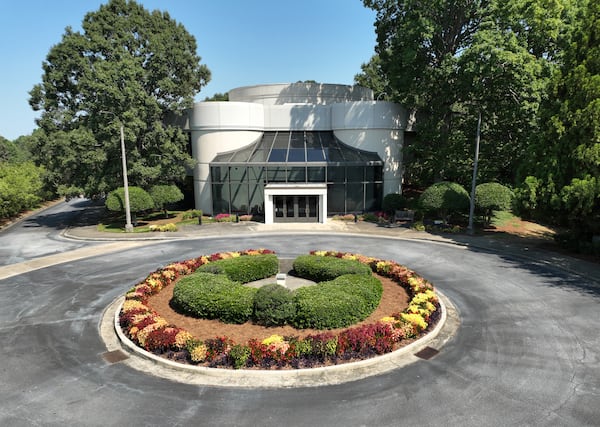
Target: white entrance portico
{"x": 295, "y": 203}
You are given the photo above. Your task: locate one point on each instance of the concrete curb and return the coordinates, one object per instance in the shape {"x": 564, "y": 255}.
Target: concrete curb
{"x": 144, "y": 361}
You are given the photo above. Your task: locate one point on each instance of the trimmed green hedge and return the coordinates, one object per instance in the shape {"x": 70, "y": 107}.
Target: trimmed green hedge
{"x": 211, "y": 292}
{"x": 338, "y": 303}
{"x": 274, "y": 305}
{"x": 213, "y": 296}
{"x": 246, "y": 268}
{"x": 320, "y": 269}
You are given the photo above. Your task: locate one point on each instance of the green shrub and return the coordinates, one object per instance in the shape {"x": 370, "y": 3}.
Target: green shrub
{"x": 139, "y": 200}
{"x": 246, "y": 268}
{"x": 274, "y": 305}
{"x": 213, "y": 296}
{"x": 337, "y": 303}
{"x": 195, "y": 213}
{"x": 239, "y": 355}
{"x": 444, "y": 198}
{"x": 319, "y": 269}
{"x": 393, "y": 202}
{"x": 21, "y": 187}
{"x": 369, "y": 289}
{"x": 370, "y": 217}
{"x": 211, "y": 293}
{"x": 164, "y": 195}
{"x": 490, "y": 197}
{"x": 323, "y": 307}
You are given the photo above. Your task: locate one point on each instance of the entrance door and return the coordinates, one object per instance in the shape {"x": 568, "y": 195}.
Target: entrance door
{"x": 296, "y": 208}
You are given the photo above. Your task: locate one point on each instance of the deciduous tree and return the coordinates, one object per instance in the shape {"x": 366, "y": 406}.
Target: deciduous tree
{"x": 450, "y": 60}
{"x": 564, "y": 164}
{"x": 164, "y": 195}
{"x": 128, "y": 67}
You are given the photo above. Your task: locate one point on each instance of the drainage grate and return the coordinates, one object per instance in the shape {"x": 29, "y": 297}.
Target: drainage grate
{"x": 427, "y": 353}
{"x": 115, "y": 356}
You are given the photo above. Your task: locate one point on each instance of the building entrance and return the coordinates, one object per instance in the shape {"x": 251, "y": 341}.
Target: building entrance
{"x": 296, "y": 208}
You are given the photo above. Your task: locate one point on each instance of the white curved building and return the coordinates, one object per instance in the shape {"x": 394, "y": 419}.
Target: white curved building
{"x": 296, "y": 152}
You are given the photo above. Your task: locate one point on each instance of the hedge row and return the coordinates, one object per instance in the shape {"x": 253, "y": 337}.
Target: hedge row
{"x": 321, "y": 269}
{"x": 213, "y": 296}
{"x": 338, "y": 303}
{"x": 244, "y": 269}
{"x": 212, "y": 293}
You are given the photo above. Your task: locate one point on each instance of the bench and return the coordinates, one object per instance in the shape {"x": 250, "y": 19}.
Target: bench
{"x": 405, "y": 215}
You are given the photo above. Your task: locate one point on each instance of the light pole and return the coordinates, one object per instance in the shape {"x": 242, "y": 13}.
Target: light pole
{"x": 470, "y": 228}
{"x": 128, "y": 225}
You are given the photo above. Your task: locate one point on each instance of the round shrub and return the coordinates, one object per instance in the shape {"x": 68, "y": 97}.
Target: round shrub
{"x": 338, "y": 303}
{"x": 274, "y": 305}
{"x": 393, "y": 202}
{"x": 322, "y": 307}
{"x": 369, "y": 289}
{"x": 213, "y": 296}
{"x": 139, "y": 200}
{"x": 319, "y": 269}
{"x": 492, "y": 196}
{"x": 244, "y": 269}
{"x": 164, "y": 195}
{"x": 444, "y": 198}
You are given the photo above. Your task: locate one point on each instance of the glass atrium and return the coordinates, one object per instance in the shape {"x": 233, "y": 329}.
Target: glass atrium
{"x": 354, "y": 177}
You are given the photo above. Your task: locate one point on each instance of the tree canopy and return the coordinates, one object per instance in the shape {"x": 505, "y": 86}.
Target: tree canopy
{"x": 128, "y": 67}
{"x": 162, "y": 195}
{"x": 561, "y": 176}
{"x": 449, "y": 60}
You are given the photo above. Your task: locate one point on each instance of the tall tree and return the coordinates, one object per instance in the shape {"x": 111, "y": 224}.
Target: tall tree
{"x": 450, "y": 60}
{"x": 129, "y": 67}
{"x": 373, "y": 77}
{"x": 564, "y": 164}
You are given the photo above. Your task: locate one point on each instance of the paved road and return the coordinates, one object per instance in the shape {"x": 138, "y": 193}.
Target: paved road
{"x": 40, "y": 235}
{"x": 526, "y": 353}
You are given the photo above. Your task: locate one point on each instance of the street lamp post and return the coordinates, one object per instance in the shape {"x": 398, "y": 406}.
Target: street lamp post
{"x": 128, "y": 225}
{"x": 470, "y": 228}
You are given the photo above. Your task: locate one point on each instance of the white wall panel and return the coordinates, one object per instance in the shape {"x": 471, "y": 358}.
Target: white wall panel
{"x": 227, "y": 115}
{"x": 368, "y": 115}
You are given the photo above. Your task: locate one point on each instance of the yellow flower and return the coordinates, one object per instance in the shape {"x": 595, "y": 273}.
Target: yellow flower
{"x": 383, "y": 266}
{"x": 273, "y": 339}
{"x": 387, "y": 319}
{"x": 198, "y": 353}
{"x": 130, "y": 305}
{"x": 182, "y": 338}
{"x": 155, "y": 284}
{"x": 416, "y": 320}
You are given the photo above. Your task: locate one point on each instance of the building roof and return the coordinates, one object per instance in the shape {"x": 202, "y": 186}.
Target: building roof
{"x": 298, "y": 147}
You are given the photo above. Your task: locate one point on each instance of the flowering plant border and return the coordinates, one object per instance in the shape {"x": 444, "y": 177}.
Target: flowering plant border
{"x": 148, "y": 330}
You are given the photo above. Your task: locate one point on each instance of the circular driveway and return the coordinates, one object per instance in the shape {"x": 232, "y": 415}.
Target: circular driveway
{"x": 526, "y": 352}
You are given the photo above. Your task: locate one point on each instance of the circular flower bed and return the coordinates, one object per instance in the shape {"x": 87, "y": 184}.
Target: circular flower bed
{"x": 146, "y": 328}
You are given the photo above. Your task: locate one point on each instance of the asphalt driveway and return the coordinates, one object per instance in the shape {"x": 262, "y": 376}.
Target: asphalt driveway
{"x": 526, "y": 353}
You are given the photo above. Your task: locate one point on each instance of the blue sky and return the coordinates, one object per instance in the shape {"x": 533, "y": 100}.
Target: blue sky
{"x": 242, "y": 42}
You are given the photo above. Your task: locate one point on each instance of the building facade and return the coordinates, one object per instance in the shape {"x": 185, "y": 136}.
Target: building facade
{"x": 296, "y": 152}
